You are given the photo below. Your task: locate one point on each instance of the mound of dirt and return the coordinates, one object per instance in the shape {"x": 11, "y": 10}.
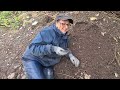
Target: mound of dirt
{"x": 94, "y": 51}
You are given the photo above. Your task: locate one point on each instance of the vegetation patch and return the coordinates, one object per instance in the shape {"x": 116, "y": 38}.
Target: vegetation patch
{"x": 10, "y": 19}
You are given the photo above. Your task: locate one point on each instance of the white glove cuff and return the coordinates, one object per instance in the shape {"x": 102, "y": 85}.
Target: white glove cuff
{"x": 70, "y": 55}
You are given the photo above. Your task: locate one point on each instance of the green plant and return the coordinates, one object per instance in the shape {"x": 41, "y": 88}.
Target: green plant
{"x": 10, "y": 19}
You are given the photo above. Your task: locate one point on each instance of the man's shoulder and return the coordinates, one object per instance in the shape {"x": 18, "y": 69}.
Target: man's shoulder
{"x": 49, "y": 29}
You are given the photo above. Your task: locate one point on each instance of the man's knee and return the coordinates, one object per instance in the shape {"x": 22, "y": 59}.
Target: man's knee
{"x": 33, "y": 70}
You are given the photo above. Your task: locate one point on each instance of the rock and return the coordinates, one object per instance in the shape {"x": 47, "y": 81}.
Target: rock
{"x": 35, "y": 23}
{"x": 97, "y": 14}
{"x": 116, "y": 75}
{"x": 87, "y": 76}
{"x": 11, "y": 76}
{"x": 16, "y": 66}
{"x": 103, "y": 33}
{"x": 18, "y": 37}
{"x": 8, "y": 64}
{"x": 93, "y": 18}
{"x": 23, "y": 77}
{"x": 18, "y": 77}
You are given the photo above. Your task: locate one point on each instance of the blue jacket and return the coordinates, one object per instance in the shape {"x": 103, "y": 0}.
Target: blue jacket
{"x": 40, "y": 48}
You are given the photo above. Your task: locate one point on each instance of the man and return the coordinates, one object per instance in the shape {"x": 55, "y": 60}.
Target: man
{"x": 47, "y": 48}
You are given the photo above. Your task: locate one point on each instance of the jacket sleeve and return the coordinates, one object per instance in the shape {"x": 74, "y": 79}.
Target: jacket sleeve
{"x": 70, "y": 52}
{"x": 41, "y": 44}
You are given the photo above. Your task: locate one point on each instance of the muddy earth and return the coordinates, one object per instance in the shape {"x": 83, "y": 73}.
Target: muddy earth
{"x": 94, "y": 40}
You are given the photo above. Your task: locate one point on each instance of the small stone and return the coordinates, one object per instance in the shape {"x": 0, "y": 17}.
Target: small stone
{"x": 104, "y": 19}
{"x": 32, "y": 32}
{"x": 16, "y": 66}
{"x": 103, "y": 33}
{"x": 18, "y": 37}
{"x": 35, "y": 22}
{"x": 23, "y": 77}
{"x": 11, "y": 76}
{"x": 87, "y": 76}
{"x": 27, "y": 17}
{"x": 97, "y": 14}
{"x": 18, "y": 77}
{"x": 93, "y": 18}
{"x": 20, "y": 28}
{"x": 116, "y": 75}
{"x": 4, "y": 34}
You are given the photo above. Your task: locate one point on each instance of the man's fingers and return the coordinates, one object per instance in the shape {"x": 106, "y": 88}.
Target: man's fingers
{"x": 77, "y": 63}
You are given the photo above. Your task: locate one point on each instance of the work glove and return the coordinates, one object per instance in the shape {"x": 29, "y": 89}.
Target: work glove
{"x": 74, "y": 60}
{"x": 60, "y": 51}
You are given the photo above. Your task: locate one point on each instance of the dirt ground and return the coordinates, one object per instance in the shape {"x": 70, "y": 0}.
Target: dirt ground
{"x": 95, "y": 52}
{"x": 94, "y": 40}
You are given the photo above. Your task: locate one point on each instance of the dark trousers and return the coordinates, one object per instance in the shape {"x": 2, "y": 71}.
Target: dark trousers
{"x": 34, "y": 70}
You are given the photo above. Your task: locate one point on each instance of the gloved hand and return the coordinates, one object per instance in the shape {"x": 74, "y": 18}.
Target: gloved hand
{"x": 74, "y": 60}
{"x": 60, "y": 51}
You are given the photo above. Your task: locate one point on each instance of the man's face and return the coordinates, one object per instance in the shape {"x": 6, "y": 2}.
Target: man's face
{"x": 63, "y": 25}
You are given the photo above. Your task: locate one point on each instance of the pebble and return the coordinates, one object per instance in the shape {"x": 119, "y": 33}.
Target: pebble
{"x": 23, "y": 77}
{"x": 116, "y": 75}
{"x": 35, "y": 22}
{"x": 93, "y": 18}
{"x": 11, "y": 76}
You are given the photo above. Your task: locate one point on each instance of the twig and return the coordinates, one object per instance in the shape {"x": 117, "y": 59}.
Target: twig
{"x": 116, "y": 57}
